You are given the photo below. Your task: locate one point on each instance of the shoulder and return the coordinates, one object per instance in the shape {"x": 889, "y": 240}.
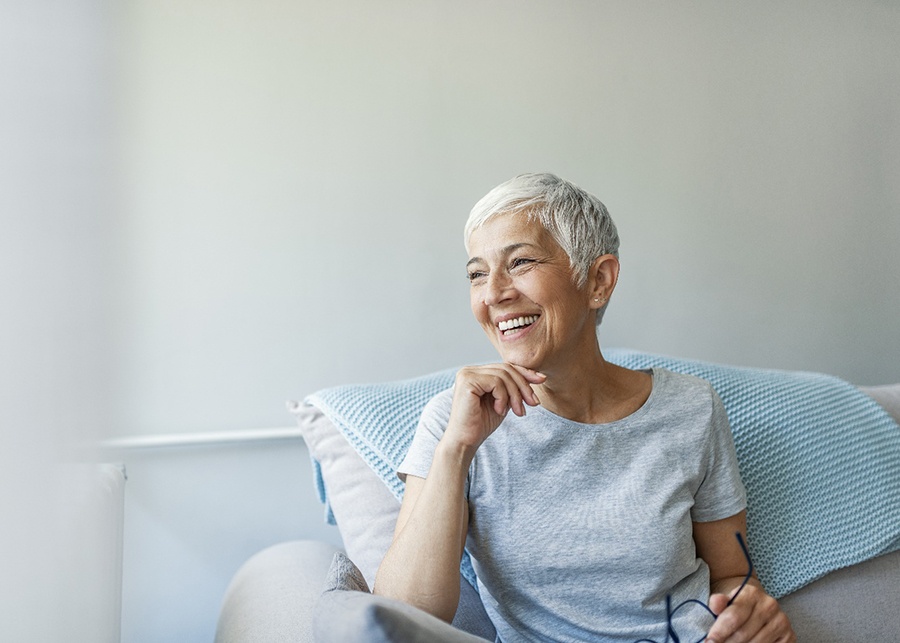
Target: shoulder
{"x": 438, "y": 408}
{"x": 682, "y": 383}
{"x": 689, "y": 396}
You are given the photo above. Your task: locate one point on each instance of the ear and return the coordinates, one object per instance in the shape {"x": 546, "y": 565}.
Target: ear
{"x": 602, "y": 279}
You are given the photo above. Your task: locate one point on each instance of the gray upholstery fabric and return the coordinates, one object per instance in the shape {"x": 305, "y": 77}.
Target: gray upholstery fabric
{"x": 272, "y": 596}
{"x": 471, "y": 616}
{"x": 343, "y": 616}
{"x": 344, "y": 575}
{"x": 859, "y": 603}
{"x": 347, "y": 612}
{"x": 887, "y": 396}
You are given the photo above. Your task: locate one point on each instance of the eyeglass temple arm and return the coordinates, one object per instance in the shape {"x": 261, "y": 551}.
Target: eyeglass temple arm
{"x": 743, "y": 545}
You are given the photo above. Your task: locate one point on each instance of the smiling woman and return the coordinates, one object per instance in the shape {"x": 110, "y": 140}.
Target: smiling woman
{"x": 504, "y": 481}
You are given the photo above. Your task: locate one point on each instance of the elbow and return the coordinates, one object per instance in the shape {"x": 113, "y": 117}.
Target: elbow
{"x": 443, "y": 605}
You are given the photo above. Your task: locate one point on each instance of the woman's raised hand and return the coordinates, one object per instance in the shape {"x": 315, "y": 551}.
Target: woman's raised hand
{"x": 482, "y": 397}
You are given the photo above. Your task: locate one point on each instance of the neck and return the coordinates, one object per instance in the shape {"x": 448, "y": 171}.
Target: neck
{"x": 594, "y": 391}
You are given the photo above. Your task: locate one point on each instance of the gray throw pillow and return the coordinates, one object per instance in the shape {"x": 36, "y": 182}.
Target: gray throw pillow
{"x": 343, "y": 575}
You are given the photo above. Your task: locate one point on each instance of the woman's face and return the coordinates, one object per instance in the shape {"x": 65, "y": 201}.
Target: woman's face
{"x": 524, "y": 295}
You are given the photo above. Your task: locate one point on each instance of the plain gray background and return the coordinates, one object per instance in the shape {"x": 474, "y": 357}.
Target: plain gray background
{"x": 295, "y": 177}
{"x": 211, "y": 207}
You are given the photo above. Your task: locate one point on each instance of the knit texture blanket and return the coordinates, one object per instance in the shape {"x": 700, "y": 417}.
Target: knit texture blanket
{"x": 819, "y": 458}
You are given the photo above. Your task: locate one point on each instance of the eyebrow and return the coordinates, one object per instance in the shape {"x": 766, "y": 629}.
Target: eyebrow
{"x": 505, "y": 251}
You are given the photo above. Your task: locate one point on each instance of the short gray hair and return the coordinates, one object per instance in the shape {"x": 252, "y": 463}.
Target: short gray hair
{"x": 575, "y": 218}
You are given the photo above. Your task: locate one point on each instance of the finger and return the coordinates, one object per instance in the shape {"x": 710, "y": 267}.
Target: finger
{"x": 533, "y": 376}
{"x": 472, "y": 386}
{"x": 734, "y": 618}
{"x": 525, "y": 377}
{"x": 746, "y": 618}
{"x": 500, "y": 384}
{"x": 718, "y": 603}
{"x": 502, "y": 403}
{"x": 778, "y": 629}
{"x": 516, "y": 391}
{"x": 775, "y": 624}
{"x": 491, "y": 378}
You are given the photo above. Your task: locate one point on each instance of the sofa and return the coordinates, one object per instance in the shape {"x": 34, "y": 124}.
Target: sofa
{"x": 311, "y": 591}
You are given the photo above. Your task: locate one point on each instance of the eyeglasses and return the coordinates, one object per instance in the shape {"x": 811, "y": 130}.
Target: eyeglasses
{"x": 671, "y": 635}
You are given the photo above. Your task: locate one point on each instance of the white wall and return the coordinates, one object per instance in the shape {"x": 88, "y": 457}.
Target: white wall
{"x": 291, "y": 182}
{"x": 297, "y": 175}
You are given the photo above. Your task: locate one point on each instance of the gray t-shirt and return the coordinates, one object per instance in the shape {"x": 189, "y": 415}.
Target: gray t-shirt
{"x": 578, "y": 531}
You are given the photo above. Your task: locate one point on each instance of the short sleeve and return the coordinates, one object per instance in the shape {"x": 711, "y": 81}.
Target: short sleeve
{"x": 429, "y": 432}
{"x": 721, "y": 493}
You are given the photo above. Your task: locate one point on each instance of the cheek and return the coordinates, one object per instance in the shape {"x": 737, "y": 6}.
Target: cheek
{"x": 478, "y": 309}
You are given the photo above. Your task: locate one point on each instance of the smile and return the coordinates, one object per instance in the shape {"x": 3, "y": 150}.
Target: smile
{"x": 510, "y": 326}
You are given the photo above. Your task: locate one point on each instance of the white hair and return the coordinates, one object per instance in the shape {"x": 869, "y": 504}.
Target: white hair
{"x": 575, "y": 218}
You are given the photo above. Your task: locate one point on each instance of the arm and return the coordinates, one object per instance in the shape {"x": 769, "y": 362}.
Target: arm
{"x": 421, "y": 566}
{"x": 754, "y": 615}
{"x": 435, "y": 512}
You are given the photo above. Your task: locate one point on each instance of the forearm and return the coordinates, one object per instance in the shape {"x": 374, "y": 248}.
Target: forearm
{"x": 421, "y": 566}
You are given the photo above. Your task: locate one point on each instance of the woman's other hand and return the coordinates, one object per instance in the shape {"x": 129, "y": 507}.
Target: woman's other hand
{"x": 753, "y": 616}
{"x": 482, "y": 397}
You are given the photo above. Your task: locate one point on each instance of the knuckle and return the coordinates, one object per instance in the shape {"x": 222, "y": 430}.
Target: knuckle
{"x": 771, "y": 608}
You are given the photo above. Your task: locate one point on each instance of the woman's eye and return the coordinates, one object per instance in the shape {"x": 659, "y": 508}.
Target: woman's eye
{"x": 475, "y": 275}
{"x": 521, "y": 261}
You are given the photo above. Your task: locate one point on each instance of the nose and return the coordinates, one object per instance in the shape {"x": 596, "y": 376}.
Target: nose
{"x": 498, "y": 288}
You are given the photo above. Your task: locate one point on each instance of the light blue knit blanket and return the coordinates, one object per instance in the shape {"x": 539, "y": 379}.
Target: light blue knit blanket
{"x": 820, "y": 459}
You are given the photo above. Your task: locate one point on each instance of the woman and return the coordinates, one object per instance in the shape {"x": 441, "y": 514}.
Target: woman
{"x": 586, "y": 493}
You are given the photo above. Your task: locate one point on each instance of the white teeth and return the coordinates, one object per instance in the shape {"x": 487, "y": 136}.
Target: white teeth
{"x": 511, "y": 324}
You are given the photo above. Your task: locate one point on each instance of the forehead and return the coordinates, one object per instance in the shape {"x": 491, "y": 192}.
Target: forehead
{"x": 506, "y": 232}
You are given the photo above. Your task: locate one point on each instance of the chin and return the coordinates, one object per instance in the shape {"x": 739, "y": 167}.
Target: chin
{"x": 522, "y": 360}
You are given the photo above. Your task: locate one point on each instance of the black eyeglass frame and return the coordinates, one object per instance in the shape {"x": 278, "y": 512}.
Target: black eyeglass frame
{"x": 671, "y": 635}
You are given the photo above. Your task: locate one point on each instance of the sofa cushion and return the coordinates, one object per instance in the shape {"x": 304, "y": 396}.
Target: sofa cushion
{"x": 274, "y": 593}
{"x": 364, "y": 510}
{"x": 857, "y": 603}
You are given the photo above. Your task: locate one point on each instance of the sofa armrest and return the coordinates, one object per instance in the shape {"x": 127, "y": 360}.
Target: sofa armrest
{"x": 857, "y": 603}
{"x": 272, "y": 596}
